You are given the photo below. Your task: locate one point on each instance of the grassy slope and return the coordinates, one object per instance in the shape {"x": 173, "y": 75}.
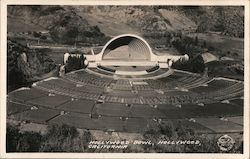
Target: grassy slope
{"x": 178, "y": 21}
{"x": 222, "y": 43}
{"x": 18, "y": 25}
{"x": 110, "y": 27}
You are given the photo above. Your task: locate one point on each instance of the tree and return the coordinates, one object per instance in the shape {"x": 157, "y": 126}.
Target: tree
{"x": 167, "y": 129}
{"x": 12, "y": 135}
{"x": 29, "y": 142}
{"x": 204, "y": 44}
{"x": 36, "y": 34}
{"x": 196, "y": 42}
{"x": 22, "y": 142}
{"x": 59, "y": 138}
{"x": 75, "y": 63}
{"x": 43, "y": 37}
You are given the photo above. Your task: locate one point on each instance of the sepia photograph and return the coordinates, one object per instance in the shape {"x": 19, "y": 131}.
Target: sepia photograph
{"x": 125, "y": 79}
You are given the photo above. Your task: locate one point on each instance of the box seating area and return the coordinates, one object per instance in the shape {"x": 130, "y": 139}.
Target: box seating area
{"x": 150, "y": 100}
{"x": 121, "y": 85}
{"x": 155, "y": 84}
{"x": 142, "y": 87}
{"x": 120, "y": 93}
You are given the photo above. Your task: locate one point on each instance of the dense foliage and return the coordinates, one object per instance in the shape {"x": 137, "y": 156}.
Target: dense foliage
{"x": 62, "y": 23}
{"x": 64, "y": 138}
{"x": 22, "y": 142}
{"x": 59, "y": 138}
{"x": 24, "y": 64}
{"x": 75, "y": 63}
{"x": 170, "y": 131}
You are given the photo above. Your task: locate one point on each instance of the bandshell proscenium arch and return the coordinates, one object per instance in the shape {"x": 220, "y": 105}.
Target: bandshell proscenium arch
{"x": 137, "y": 47}
{"x": 130, "y": 50}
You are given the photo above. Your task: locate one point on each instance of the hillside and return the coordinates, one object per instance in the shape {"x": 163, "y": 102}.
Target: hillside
{"x": 91, "y": 24}
{"x": 177, "y": 30}
{"x": 64, "y": 26}
{"x": 148, "y": 19}
{"x": 25, "y": 65}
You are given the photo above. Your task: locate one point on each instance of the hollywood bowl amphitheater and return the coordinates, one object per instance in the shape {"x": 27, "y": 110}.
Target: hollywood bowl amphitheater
{"x": 125, "y": 88}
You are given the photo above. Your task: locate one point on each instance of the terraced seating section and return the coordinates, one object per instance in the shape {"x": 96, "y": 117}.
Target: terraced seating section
{"x": 68, "y": 89}
{"x": 235, "y": 90}
{"x": 236, "y": 120}
{"x": 238, "y": 101}
{"x": 50, "y": 101}
{"x": 175, "y": 112}
{"x": 195, "y": 83}
{"x": 13, "y": 108}
{"x": 78, "y": 120}
{"x": 214, "y": 85}
{"x": 145, "y": 111}
{"x": 196, "y": 127}
{"x": 214, "y": 109}
{"x": 219, "y": 126}
{"x": 23, "y": 95}
{"x": 78, "y": 106}
{"x": 40, "y": 115}
{"x": 112, "y": 109}
{"x": 88, "y": 79}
